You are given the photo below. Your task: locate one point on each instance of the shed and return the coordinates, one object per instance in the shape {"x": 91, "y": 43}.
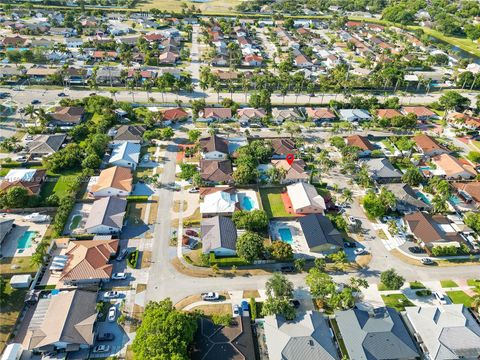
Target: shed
{"x": 20, "y": 281}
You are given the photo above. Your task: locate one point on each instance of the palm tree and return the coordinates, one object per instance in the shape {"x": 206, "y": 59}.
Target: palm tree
{"x": 30, "y": 111}
{"x": 113, "y": 93}
{"x": 476, "y": 303}
{"x": 347, "y": 195}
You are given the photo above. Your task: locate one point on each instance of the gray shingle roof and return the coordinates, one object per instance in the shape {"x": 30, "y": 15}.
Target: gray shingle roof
{"x": 46, "y": 144}
{"x": 381, "y": 168}
{"x": 108, "y": 211}
{"x": 218, "y": 232}
{"x": 378, "y": 334}
{"x": 405, "y": 195}
{"x": 319, "y": 230}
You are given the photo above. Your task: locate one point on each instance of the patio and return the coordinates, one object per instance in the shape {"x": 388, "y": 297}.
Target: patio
{"x": 77, "y": 219}
{"x": 278, "y": 231}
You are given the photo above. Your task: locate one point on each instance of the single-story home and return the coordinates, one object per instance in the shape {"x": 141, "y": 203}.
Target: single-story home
{"x": 28, "y": 179}
{"x": 214, "y": 147}
{"x": 382, "y": 171}
{"x": 422, "y": 112}
{"x": 388, "y": 113}
{"x": 407, "y": 200}
{"x": 453, "y": 168}
{"x": 305, "y": 199}
{"x": 354, "y": 115}
{"x": 282, "y": 147}
{"x": 468, "y": 191}
{"x": 428, "y": 146}
{"x": 361, "y": 142}
{"x": 106, "y": 216}
{"x": 294, "y": 172}
{"x": 220, "y": 203}
{"x": 128, "y": 133}
{"x": 114, "y": 181}
{"x": 174, "y": 114}
{"x": 67, "y": 116}
{"x": 6, "y": 226}
{"x": 320, "y": 114}
{"x": 126, "y": 154}
{"x": 219, "y": 235}
{"x": 320, "y": 234}
{"x": 216, "y": 171}
{"x": 210, "y": 114}
{"x": 44, "y": 145}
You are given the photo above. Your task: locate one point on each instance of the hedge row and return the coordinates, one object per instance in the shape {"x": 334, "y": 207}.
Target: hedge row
{"x": 133, "y": 259}
{"x": 137, "y": 198}
{"x": 227, "y": 261}
{"x": 253, "y": 308}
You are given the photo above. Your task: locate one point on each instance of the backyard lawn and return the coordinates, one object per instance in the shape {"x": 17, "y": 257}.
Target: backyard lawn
{"x": 396, "y": 301}
{"x": 273, "y": 203}
{"x": 17, "y": 265}
{"x": 460, "y": 297}
{"x": 58, "y": 184}
{"x": 11, "y": 303}
{"x": 448, "y": 283}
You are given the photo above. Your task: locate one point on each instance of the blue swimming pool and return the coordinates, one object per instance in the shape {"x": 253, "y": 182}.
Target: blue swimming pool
{"x": 423, "y": 197}
{"x": 285, "y": 235}
{"x": 248, "y": 203}
{"x": 25, "y": 241}
{"x": 455, "y": 200}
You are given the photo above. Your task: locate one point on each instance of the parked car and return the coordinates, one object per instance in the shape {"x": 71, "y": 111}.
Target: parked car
{"x": 194, "y": 190}
{"x": 210, "y": 296}
{"x": 350, "y": 244}
{"x": 416, "y": 250}
{"x": 105, "y": 337}
{"x": 112, "y": 313}
{"x": 123, "y": 254}
{"x": 101, "y": 349}
{"x": 193, "y": 244}
{"x": 245, "y": 306}
{"x": 119, "y": 276}
{"x": 62, "y": 94}
{"x": 440, "y": 297}
{"x": 353, "y": 220}
{"x": 146, "y": 158}
{"x": 111, "y": 295}
{"x": 92, "y": 94}
{"x": 295, "y": 303}
{"x": 360, "y": 251}
{"x": 426, "y": 261}
{"x": 21, "y": 159}
{"x": 35, "y": 102}
{"x": 287, "y": 269}
{"x": 4, "y": 95}
{"x": 191, "y": 232}
{"x": 236, "y": 310}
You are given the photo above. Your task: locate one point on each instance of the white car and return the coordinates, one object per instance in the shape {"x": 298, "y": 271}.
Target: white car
{"x": 119, "y": 276}
{"x": 101, "y": 349}
{"x": 210, "y": 296}
{"x": 111, "y": 295}
{"x": 440, "y": 297}
{"x": 360, "y": 251}
{"x": 236, "y": 310}
{"x": 353, "y": 220}
{"x": 112, "y": 313}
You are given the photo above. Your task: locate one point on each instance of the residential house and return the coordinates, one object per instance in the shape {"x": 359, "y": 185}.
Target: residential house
{"x": 10, "y": 74}
{"x": 28, "y": 179}
{"x": 76, "y": 76}
{"x": 106, "y": 216}
{"x": 250, "y": 116}
{"x": 407, "y": 200}
{"x": 211, "y": 114}
{"x": 235, "y": 341}
{"x": 388, "y": 113}
{"x": 128, "y": 133}
{"x": 109, "y": 75}
{"x": 168, "y": 57}
{"x": 468, "y": 191}
{"x": 377, "y": 334}
{"x": 362, "y": 143}
{"x": 428, "y": 146}
{"x": 453, "y": 168}
{"x": 114, "y": 181}
{"x": 282, "y": 147}
{"x": 63, "y": 322}
{"x": 307, "y": 337}
{"x": 219, "y": 235}
{"x": 382, "y": 171}
{"x": 293, "y": 172}
{"x": 174, "y": 115}
{"x": 104, "y": 55}
{"x": 214, "y": 147}
{"x": 432, "y": 230}
{"x": 305, "y": 199}
{"x": 422, "y": 112}
{"x": 281, "y": 115}
{"x": 41, "y": 73}
{"x": 354, "y": 115}
{"x": 445, "y": 332}
{"x": 253, "y": 60}
{"x": 302, "y": 61}
{"x": 86, "y": 262}
{"x": 320, "y": 114}
{"x": 73, "y": 43}
{"x": 223, "y": 202}
{"x": 320, "y": 234}
{"x": 6, "y": 225}
{"x": 216, "y": 171}
{"x": 126, "y": 154}
{"x": 45, "y": 145}
{"x": 14, "y": 41}
{"x": 66, "y": 116}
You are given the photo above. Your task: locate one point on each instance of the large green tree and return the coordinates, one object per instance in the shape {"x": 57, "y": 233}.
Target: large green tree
{"x": 250, "y": 246}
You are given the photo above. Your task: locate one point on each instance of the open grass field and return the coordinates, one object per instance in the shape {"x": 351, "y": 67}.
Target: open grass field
{"x": 17, "y": 265}
{"x": 11, "y": 304}
{"x": 273, "y": 203}
{"x": 212, "y": 6}
{"x": 460, "y": 297}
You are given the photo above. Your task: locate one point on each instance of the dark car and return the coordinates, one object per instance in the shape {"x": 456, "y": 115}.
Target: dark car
{"x": 123, "y": 254}
{"x": 350, "y": 244}
{"x": 61, "y": 94}
{"x": 287, "y": 269}
{"x": 35, "y": 101}
{"x": 105, "y": 337}
{"x": 295, "y": 303}
{"x": 245, "y": 306}
{"x": 416, "y": 250}
{"x": 4, "y": 95}
{"x": 191, "y": 233}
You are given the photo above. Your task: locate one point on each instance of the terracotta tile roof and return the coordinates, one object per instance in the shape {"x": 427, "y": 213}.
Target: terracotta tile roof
{"x": 283, "y": 146}
{"x": 174, "y": 114}
{"x": 216, "y": 170}
{"x": 360, "y": 142}
{"x": 70, "y": 114}
{"x": 320, "y": 113}
{"x": 32, "y": 186}
{"x": 104, "y": 54}
{"x": 388, "y": 113}
{"x": 452, "y": 166}
{"x": 214, "y": 143}
{"x": 471, "y": 188}
{"x": 295, "y": 171}
{"x": 420, "y": 111}
{"x": 251, "y": 113}
{"x": 116, "y": 177}
{"x": 427, "y": 143}
{"x": 89, "y": 260}
{"x": 219, "y": 113}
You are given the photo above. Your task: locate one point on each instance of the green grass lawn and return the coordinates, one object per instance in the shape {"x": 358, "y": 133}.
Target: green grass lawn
{"x": 473, "y": 282}
{"x": 58, "y": 183}
{"x": 448, "y": 283}
{"x": 460, "y": 297}
{"x": 272, "y": 202}
{"x": 11, "y": 304}
{"x": 416, "y": 285}
{"x": 397, "y": 301}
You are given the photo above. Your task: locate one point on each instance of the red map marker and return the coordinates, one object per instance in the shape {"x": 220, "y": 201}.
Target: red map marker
{"x": 290, "y": 158}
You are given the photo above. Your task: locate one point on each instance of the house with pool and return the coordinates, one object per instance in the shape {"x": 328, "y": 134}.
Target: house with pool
{"x": 305, "y": 199}
{"x": 225, "y": 200}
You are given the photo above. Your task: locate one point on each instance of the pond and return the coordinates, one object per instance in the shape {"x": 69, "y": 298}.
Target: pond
{"x": 461, "y": 53}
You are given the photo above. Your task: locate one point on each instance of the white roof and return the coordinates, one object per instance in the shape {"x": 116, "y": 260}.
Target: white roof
{"x": 218, "y": 203}
{"x": 20, "y": 175}
{"x": 126, "y": 151}
{"x": 12, "y": 351}
{"x": 302, "y": 195}
{"x": 411, "y": 77}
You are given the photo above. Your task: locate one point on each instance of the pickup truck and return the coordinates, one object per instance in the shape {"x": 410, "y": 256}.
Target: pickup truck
{"x": 210, "y": 296}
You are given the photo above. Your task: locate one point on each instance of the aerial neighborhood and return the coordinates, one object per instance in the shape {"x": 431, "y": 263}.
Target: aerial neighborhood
{"x": 240, "y": 180}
